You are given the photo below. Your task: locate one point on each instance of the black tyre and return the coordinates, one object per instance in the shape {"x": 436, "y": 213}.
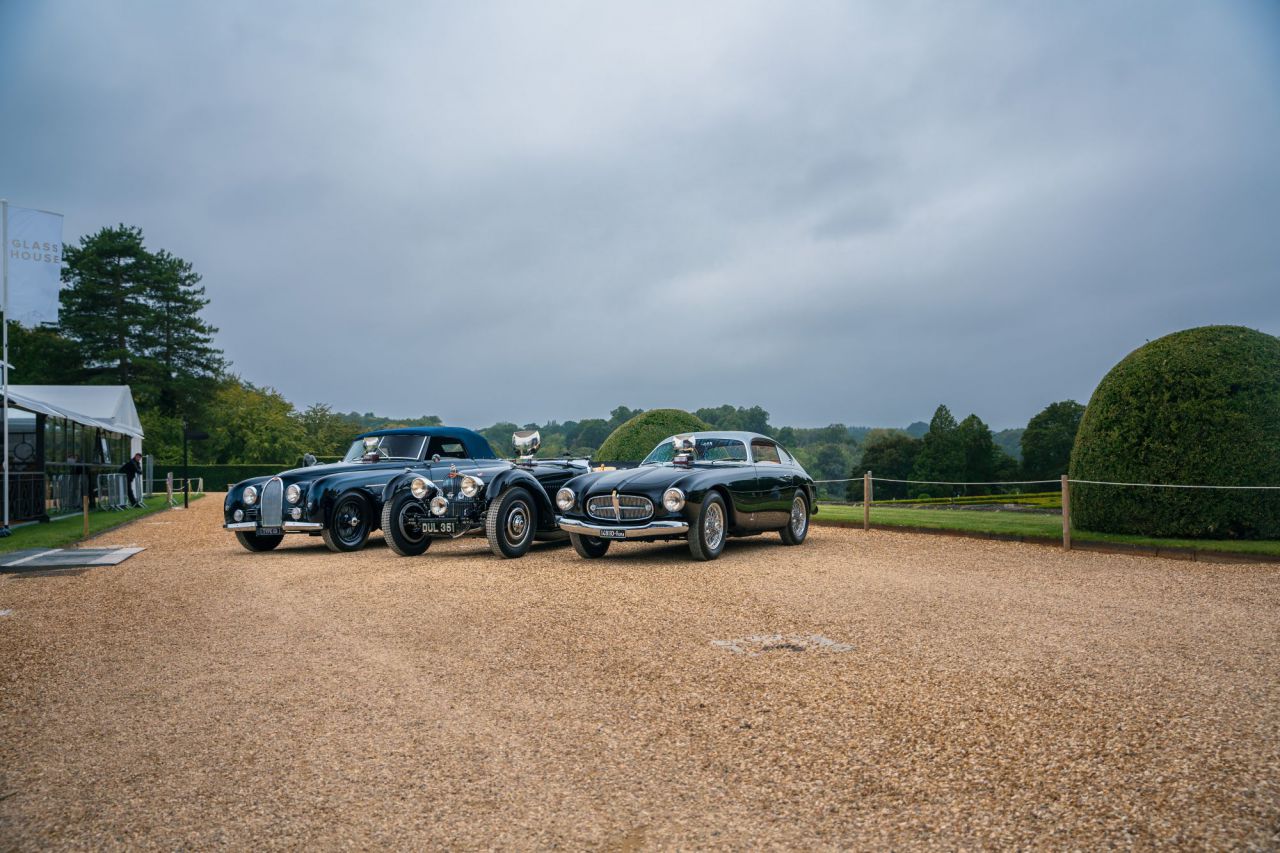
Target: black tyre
{"x": 402, "y": 518}
{"x": 254, "y": 542}
{"x": 710, "y": 529}
{"x": 797, "y": 522}
{"x": 589, "y": 547}
{"x": 511, "y": 522}
{"x": 349, "y": 524}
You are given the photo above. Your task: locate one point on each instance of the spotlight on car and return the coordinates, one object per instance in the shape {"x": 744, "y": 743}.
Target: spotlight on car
{"x": 565, "y": 499}
{"x": 296, "y": 513}
{"x": 439, "y": 506}
{"x": 419, "y": 487}
{"x": 250, "y": 495}
{"x": 471, "y": 486}
{"x": 673, "y": 499}
{"x": 293, "y": 494}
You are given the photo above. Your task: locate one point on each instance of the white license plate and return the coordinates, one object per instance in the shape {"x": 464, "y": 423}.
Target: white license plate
{"x": 613, "y": 534}
{"x": 449, "y": 527}
{"x": 270, "y": 531}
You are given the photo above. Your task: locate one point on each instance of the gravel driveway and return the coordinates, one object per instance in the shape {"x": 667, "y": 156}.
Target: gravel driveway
{"x": 865, "y": 690}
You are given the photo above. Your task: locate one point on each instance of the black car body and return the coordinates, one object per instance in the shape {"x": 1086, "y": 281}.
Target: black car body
{"x": 703, "y": 487}
{"x": 343, "y": 501}
{"x": 510, "y": 501}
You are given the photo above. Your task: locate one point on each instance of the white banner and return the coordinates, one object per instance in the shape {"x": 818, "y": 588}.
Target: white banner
{"x": 33, "y": 248}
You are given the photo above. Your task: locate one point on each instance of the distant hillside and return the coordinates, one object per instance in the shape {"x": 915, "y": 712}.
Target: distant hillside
{"x": 1010, "y": 441}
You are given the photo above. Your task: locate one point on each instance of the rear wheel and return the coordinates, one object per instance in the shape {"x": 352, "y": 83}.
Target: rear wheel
{"x": 710, "y": 528}
{"x": 510, "y": 523}
{"x": 254, "y": 542}
{"x": 349, "y": 524}
{"x": 798, "y": 522}
{"x": 402, "y": 525}
{"x": 589, "y": 547}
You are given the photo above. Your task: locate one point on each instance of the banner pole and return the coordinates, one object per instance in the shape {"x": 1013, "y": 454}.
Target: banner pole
{"x": 4, "y": 362}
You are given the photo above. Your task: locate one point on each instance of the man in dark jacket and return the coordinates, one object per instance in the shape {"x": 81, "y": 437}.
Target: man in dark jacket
{"x": 132, "y": 470}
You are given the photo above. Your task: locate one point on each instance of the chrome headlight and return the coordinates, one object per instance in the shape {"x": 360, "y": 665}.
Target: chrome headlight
{"x": 419, "y": 486}
{"x": 250, "y": 495}
{"x": 673, "y": 499}
{"x": 293, "y": 494}
{"x": 439, "y": 506}
{"x": 471, "y": 486}
{"x": 565, "y": 499}
{"x": 238, "y": 515}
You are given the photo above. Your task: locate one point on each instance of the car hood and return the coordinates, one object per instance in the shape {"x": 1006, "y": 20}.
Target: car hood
{"x": 644, "y": 479}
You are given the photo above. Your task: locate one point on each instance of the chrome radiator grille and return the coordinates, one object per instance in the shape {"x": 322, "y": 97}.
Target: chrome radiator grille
{"x": 272, "y": 503}
{"x": 620, "y": 508}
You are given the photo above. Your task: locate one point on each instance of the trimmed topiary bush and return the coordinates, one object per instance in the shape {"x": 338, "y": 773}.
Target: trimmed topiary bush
{"x": 1200, "y": 406}
{"x": 632, "y": 441}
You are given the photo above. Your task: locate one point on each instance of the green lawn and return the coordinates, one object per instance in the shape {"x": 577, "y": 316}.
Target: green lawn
{"x": 68, "y": 531}
{"x": 1040, "y": 525}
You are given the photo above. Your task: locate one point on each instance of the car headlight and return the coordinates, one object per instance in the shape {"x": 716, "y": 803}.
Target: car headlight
{"x": 419, "y": 486}
{"x": 250, "y": 495}
{"x": 293, "y": 494}
{"x": 439, "y": 506}
{"x": 238, "y": 515}
{"x": 565, "y": 499}
{"x": 673, "y": 499}
{"x": 471, "y": 486}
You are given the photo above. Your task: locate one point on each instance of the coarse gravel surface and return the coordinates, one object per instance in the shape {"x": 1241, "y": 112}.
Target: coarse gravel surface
{"x": 865, "y": 690}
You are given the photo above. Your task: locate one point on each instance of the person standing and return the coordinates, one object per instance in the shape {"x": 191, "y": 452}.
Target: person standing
{"x": 132, "y": 470}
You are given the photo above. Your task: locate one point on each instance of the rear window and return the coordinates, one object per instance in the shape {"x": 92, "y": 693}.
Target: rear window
{"x": 765, "y": 451}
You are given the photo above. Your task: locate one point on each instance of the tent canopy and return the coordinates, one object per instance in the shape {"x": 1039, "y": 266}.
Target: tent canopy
{"x": 108, "y": 407}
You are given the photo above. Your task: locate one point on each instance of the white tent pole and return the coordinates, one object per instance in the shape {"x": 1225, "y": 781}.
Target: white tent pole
{"x": 4, "y": 366}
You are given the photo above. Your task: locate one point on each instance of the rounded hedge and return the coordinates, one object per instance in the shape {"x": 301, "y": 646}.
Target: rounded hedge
{"x": 1200, "y": 406}
{"x": 632, "y": 441}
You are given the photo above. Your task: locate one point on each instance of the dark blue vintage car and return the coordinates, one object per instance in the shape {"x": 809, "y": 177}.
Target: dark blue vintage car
{"x": 509, "y": 501}
{"x": 342, "y": 502}
{"x": 701, "y": 487}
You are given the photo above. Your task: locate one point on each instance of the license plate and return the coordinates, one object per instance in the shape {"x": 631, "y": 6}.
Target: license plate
{"x": 613, "y": 534}
{"x": 270, "y": 531}
{"x": 448, "y": 527}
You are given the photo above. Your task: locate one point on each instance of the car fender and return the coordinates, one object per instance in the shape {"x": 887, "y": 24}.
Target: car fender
{"x": 520, "y": 477}
{"x": 400, "y": 482}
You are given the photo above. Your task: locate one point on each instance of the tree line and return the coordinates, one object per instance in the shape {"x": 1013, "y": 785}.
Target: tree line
{"x": 133, "y": 316}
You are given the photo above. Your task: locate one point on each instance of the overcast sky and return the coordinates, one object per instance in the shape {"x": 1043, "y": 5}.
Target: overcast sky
{"x": 843, "y": 212}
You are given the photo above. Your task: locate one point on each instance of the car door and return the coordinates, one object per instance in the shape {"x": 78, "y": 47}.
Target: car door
{"x": 774, "y": 484}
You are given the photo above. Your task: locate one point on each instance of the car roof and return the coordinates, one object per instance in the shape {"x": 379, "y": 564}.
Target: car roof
{"x": 732, "y": 434}
{"x": 476, "y": 444}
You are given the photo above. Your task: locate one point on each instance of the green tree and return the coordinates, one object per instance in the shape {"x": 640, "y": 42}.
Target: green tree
{"x": 886, "y": 453}
{"x": 590, "y": 434}
{"x": 980, "y": 454}
{"x": 251, "y": 424}
{"x": 103, "y": 306}
{"x": 176, "y": 341}
{"x": 43, "y": 356}
{"x": 941, "y": 456}
{"x": 326, "y": 432}
{"x": 1048, "y": 439}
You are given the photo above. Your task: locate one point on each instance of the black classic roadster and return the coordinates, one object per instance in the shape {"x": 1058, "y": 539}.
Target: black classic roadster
{"x": 511, "y": 501}
{"x": 703, "y": 487}
{"x": 342, "y": 502}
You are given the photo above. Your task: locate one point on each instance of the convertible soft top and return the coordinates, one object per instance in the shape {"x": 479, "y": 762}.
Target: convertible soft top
{"x": 476, "y": 444}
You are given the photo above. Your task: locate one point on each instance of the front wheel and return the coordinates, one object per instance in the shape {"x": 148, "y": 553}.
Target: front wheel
{"x": 255, "y": 542}
{"x": 349, "y": 524}
{"x": 798, "y": 523}
{"x": 403, "y": 525}
{"x": 710, "y": 528}
{"x": 589, "y": 547}
{"x": 510, "y": 523}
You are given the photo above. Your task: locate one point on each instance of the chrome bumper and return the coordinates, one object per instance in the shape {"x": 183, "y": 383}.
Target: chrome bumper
{"x": 288, "y": 526}
{"x": 642, "y": 531}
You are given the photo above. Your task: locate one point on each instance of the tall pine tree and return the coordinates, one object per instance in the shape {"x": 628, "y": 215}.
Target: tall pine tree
{"x": 178, "y": 344}
{"x": 941, "y": 457}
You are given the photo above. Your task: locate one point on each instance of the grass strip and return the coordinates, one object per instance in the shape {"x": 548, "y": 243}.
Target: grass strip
{"x": 70, "y": 530}
{"x": 1032, "y": 525}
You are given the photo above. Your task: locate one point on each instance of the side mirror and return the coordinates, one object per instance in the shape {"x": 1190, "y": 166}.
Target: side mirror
{"x": 309, "y": 459}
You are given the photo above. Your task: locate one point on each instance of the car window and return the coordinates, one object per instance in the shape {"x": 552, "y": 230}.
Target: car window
{"x": 705, "y": 450}
{"x": 787, "y": 458}
{"x": 446, "y": 448}
{"x": 386, "y": 447}
{"x": 765, "y": 451}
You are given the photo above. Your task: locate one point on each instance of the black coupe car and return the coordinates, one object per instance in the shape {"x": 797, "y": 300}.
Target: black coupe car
{"x": 703, "y": 487}
{"x": 343, "y": 501}
{"x": 510, "y": 501}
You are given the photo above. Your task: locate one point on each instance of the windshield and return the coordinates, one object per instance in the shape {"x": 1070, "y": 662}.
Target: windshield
{"x": 387, "y": 447}
{"x": 705, "y": 450}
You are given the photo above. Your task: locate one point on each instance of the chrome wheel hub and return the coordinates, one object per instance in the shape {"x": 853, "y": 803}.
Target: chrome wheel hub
{"x": 713, "y": 526}
{"x": 517, "y": 522}
{"x": 798, "y": 519}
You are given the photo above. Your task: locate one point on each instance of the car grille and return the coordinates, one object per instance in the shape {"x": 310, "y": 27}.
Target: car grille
{"x": 272, "y": 502}
{"x": 628, "y": 508}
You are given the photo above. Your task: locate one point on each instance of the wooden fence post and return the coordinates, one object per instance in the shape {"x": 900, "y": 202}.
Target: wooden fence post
{"x": 866, "y": 501}
{"x": 86, "y": 516}
{"x": 1066, "y": 513}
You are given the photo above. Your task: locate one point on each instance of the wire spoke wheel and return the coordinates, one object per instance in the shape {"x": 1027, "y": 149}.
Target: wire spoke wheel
{"x": 713, "y": 526}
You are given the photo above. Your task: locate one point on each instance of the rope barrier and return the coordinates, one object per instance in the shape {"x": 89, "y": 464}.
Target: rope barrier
{"x": 1169, "y": 485}
{"x": 1041, "y": 482}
